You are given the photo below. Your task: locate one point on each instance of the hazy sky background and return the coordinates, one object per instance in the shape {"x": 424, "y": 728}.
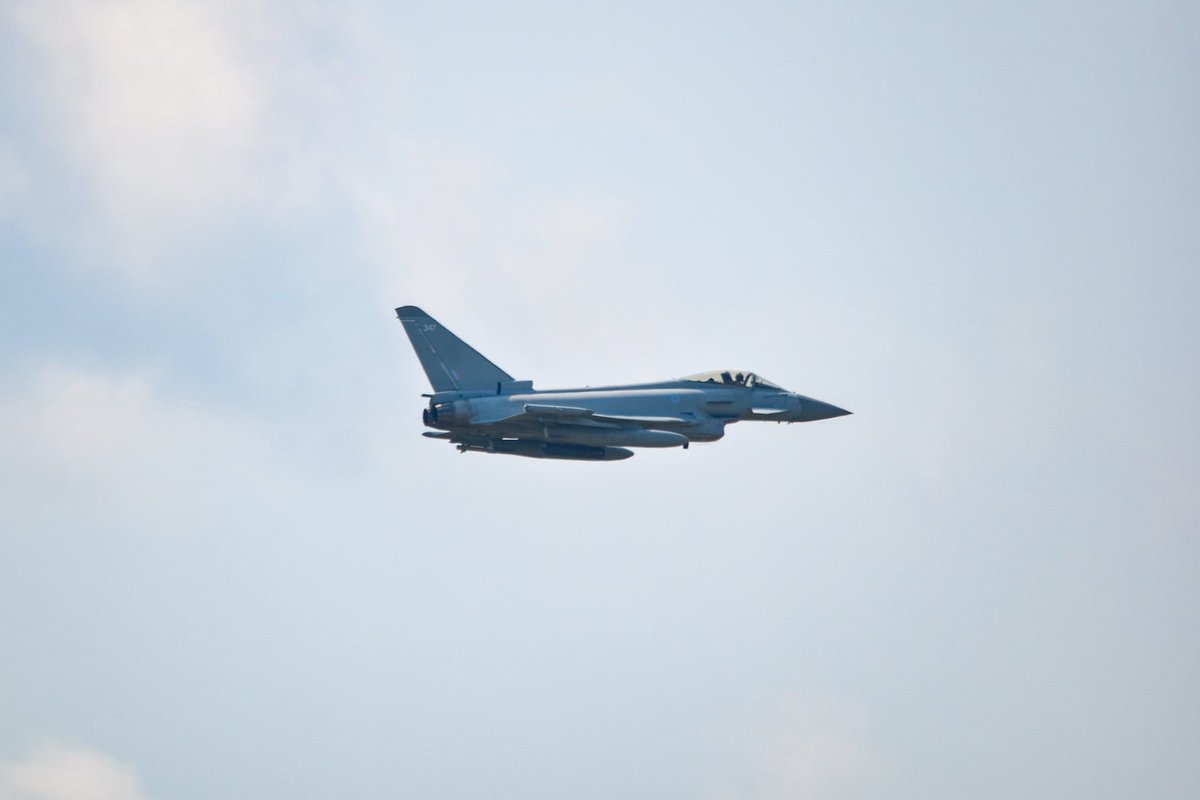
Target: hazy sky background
{"x": 231, "y": 567}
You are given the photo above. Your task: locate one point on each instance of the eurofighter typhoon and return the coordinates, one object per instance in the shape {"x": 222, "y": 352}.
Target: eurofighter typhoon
{"x": 475, "y": 405}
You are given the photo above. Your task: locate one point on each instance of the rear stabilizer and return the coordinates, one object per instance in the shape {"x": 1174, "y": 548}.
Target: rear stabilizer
{"x": 451, "y": 364}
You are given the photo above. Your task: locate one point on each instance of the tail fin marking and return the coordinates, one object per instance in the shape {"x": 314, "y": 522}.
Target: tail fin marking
{"x": 450, "y": 363}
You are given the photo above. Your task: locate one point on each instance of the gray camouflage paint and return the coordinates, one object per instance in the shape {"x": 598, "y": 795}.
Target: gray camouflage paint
{"x": 478, "y": 406}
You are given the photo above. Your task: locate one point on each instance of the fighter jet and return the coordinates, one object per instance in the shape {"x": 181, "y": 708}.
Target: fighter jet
{"x": 477, "y": 406}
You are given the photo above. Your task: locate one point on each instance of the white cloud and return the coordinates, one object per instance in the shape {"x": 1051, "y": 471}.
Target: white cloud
{"x": 155, "y": 102}
{"x": 92, "y": 448}
{"x": 180, "y": 118}
{"x": 450, "y": 229}
{"x": 809, "y": 746}
{"x": 423, "y": 213}
{"x": 56, "y": 771}
{"x": 14, "y": 178}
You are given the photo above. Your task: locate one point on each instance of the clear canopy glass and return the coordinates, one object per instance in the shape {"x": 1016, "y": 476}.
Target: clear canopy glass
{"x": 733, "y": 377}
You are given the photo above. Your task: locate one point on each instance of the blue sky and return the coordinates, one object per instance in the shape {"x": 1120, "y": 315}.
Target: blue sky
{"x": 229, "y": 564}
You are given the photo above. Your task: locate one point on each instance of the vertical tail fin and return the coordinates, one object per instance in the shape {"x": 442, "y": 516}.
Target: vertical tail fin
{"x": 450, "y": 363}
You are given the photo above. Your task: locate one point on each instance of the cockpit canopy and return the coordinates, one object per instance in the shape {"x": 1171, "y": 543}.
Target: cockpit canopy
{"x": 733, "y": 377}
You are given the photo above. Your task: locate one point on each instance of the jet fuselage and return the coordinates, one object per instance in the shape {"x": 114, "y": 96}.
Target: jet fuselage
{"x": 478, "y": 406}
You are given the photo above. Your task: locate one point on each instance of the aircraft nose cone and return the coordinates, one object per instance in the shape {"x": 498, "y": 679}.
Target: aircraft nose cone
{"x": 812, "y": 410}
